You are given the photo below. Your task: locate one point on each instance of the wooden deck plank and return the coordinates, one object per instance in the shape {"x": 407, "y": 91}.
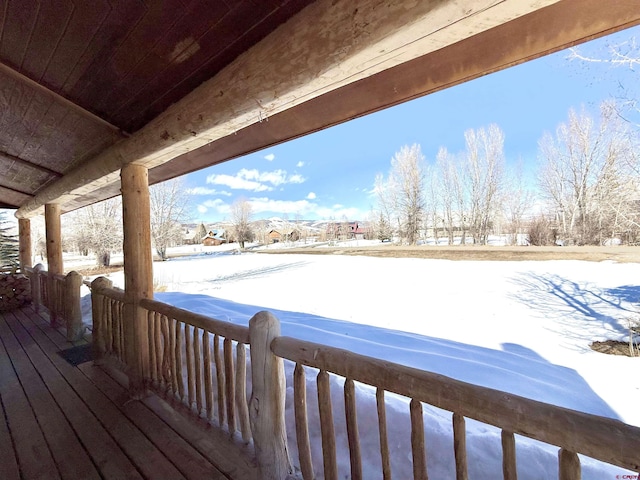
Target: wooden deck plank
{"x": 229, "y": 456}
{"x": 8, "y": 463}
{"x": 70, "y": 457}
{"x": 188, "y": 460}
{"x": 102, "y": 448}
{"x": 32, "y": 453}
{"x": 149, "y": 460}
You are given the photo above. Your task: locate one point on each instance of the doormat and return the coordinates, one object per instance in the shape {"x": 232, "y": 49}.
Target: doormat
{"x": 77, "y": 355}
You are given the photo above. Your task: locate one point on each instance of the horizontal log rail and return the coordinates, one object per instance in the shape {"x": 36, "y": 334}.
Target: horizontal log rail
{"x": 222, "y": 328}
{"x": 601, "y": 438}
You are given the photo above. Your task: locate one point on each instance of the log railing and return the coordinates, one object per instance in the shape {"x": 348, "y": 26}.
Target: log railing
{"x": 604, "y": 439}
{"x": 191, "y": 359}
{"x": 60, "y": 295}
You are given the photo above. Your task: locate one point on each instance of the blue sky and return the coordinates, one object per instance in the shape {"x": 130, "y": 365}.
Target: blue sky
{"x": 330, "y": 174}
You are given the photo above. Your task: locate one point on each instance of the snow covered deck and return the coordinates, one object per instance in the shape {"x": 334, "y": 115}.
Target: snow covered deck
{"x": 69, "y": 422}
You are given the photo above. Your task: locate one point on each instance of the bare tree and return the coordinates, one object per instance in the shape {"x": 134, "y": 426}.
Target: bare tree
{"x": 241, "y": 213}
{"x": 97, "y": 228}
{"x": 516, "y": 203}
{"x": 588, "y": 178}
{"x": 169, "y": 203}
{"x": 623, "y": 57}
{"x": 485, "y": 170}
{"x": 404, "y": 190}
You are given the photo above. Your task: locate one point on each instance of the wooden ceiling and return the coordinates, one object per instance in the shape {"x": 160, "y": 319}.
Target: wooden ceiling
{"x": 77, "y": 76}
{"x": 87, "y": 86}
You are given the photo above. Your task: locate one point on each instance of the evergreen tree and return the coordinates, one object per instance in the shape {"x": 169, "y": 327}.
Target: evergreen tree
{"x": 9, "y": 247}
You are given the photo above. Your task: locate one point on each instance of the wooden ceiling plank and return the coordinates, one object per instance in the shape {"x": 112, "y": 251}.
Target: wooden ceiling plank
{"x": 315, "y": 53}
{"x": 23, "y": 80}
{"x": 50, "y": 26}
{"x": 14, "y": 189}
{"x": 166, "y": 55}
{"x": 158, "y": 19}
{"x": 31, "y": 165}
{"x": 239, "y": 23}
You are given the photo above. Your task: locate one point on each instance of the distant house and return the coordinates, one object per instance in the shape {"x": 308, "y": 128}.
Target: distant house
{"x": 288, "y": 236}
{"x": 274, "y": 236}
{"x": 346, "y": 231}
{"x": 214, "y": 238}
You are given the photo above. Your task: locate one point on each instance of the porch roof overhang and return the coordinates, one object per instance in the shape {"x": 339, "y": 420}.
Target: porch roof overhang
{"x": 86, "y": 89}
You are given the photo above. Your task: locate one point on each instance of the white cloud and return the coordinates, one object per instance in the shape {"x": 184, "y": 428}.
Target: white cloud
{"x": 311, "y": 196}
{"x": 237, "y": 183}
{"x": 207, "y": 191}
{"x": 255, "y": 180}
{"x": 296, "y": 178}
{"x": 337, "y": 206}
{"x": 261, "y": 205}
{"x": 202, "y": 209}
{"x": 270, "y": 157}
{"x": 300, "y": 164}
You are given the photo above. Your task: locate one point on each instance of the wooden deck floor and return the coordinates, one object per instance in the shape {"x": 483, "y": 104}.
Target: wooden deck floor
{"x": 66, "y": 422}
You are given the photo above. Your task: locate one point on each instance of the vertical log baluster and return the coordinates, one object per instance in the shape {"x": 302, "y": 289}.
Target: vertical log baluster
{"x": 326, "y": 427}
{"x": 178, "y": 353}
{"x": 167, "y": 354}
{"x": 460, "y": 446}
{"x": 158, "y": 347}
{"x": 569, "y": 465}
{"x": 217, "y": 356}
{"x": 302, "y": 425}
{"x": 108, "y": 323}
{"x": 151, "y": 334}
{"x": 417, "y": 441}
{"x": 208, "y": 384}
{"x": 241, "y": 392}
{"x": 382, "y": 429}
{"x": 509, "y": 456}
{"x": 120, "y": 310}
{"x": 229, "y": 385}
{"x": 198, "y": 359}
{"x": 190, "y": 369}
{"x": 172, "y": 357}
{"x": 352, "y": 429}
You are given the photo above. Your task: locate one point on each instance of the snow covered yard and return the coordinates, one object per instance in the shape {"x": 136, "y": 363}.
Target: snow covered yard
{"x": 521, "y": 327}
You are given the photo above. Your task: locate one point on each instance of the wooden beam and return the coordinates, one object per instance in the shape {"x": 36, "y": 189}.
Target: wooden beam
{"x": 138, "y": 271}
{"x": 348, "y": 59}
{"x": 327, "y": 45}
{"x": 24, "y": 235}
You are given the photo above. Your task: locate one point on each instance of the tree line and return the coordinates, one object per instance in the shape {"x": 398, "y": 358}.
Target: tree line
{"x": 586, "y": 189}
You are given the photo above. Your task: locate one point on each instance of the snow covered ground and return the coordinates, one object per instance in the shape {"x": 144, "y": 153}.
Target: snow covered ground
{"x": 521, "y": 327}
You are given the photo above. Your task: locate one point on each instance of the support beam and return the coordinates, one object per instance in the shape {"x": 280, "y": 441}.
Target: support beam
{"x": 54, "y": 257}
{"x": 138, "y": 271}
{"x": 54, "y": 238}
{"x": 24, "y": 236}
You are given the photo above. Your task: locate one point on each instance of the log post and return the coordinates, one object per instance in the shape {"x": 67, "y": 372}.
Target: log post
{"x": 36, "y": 291}
{"x": 138, "y": 272}
{"x": 72, "y": 285}
{"x": 24, "y": 235}
{"x": 568, "y": 465}
{"x": 268, "y": 400}
{"x": 54, "y": 256}
{"x": 98, "y": 335}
